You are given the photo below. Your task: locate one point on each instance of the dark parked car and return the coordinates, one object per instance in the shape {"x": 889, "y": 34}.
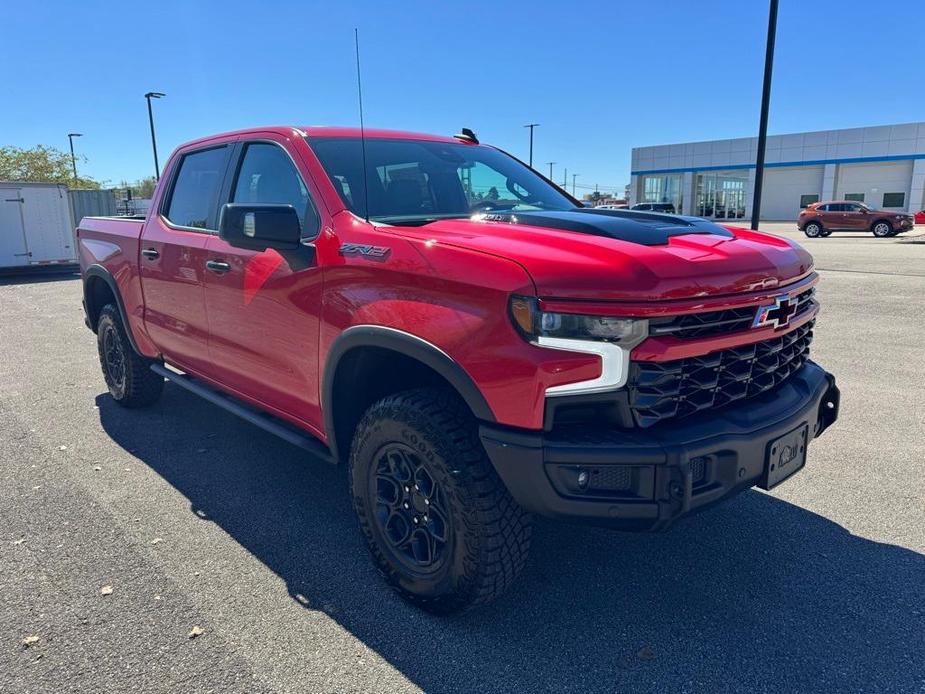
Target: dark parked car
{"x": 822, "y": 218}
{"x": 666, "y": 207}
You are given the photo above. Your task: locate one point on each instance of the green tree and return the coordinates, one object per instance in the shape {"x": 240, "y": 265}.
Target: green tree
{"x": 41, "y": 164}
{"x": 144, "y": 187}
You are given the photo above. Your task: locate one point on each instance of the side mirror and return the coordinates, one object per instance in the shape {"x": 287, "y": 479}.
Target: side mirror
{"x": 259, "y": 226}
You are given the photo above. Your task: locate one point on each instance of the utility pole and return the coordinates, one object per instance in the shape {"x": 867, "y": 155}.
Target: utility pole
{"x": 565, "y": 180}
{"x": 574, "y": 176}
{"x": 148, "y": 97}
{"x": 765, "y": 103}
{"x": 531, "y": 126}
{"x": 70, "y": 139}
{"x": 550, "y": 168}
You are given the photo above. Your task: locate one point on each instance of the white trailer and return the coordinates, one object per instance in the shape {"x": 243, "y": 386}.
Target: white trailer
{"x": 35, "y": 225}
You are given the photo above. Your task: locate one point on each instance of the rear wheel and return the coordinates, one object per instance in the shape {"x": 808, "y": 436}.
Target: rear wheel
{"x": 128, "y": 375}
{"x": 882, "y": 229}
{"x": 813, "y": 230}
{"x": 440, "y": 525}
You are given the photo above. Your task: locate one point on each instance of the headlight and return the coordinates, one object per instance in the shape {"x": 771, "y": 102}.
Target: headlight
{"x": 533, "y": 323}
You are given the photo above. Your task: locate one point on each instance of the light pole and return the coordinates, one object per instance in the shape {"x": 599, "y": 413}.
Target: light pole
{"x": 70, "y": 139}
{"x": 148, "y": 97}
{"x": 565, "y": 180}
{"x": 574, "y": 176}
{"x": 550, "y": 169}
{"x": 763, "y": 122}
{"x": 531, "y": 126}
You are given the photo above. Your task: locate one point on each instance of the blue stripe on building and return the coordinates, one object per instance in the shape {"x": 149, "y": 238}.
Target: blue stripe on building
{"x": 782, "y": 164}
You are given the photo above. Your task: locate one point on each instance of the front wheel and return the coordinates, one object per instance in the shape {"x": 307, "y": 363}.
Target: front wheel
{"x": 813, "y": 230}
{"x": 440, "y": 525}
{"x": 882, "y": 229}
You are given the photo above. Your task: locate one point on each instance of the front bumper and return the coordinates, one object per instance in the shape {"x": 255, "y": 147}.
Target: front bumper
{"x": 644, "y": 479}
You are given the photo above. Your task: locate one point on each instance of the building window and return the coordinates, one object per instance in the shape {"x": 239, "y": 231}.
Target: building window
{"x": 894, "y": 199}
{"x": 807, "y": 200}
{"x": 721, "y": 195}
{"x": 854, "y": 197}
{"x": 663, "y": 188}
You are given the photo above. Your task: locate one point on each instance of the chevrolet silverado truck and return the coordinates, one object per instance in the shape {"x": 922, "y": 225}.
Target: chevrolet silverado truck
{"x": 468, "y": 340}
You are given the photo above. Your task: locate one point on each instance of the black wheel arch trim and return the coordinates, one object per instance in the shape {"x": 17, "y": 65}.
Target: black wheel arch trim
{"x": 409, "y": 345}
{"x": 98, "y": 271}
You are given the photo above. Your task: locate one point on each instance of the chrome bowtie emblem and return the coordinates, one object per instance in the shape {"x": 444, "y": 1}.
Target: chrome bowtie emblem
{"x": 777, "y": 314}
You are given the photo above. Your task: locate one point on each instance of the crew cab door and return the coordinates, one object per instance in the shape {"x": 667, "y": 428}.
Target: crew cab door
{"x": 173, "y": 256}
{"x": 264, "y": 306}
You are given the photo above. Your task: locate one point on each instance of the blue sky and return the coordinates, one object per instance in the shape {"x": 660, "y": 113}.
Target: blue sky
{"x": 600, "y": 78}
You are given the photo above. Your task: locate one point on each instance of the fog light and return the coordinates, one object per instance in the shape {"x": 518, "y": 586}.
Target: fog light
{"x": 583, "y": 479}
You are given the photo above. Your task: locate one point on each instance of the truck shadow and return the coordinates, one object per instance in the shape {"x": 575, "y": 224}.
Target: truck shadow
{"x": 757, "y": 594}
{"x": 38, "y": 275}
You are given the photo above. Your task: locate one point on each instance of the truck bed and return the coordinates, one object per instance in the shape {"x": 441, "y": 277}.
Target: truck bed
{"x": 113, "y": 244}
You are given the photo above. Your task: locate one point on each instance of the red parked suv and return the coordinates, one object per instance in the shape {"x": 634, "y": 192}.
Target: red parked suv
{"x": 822, "y": 218}
{"x": 467, "y": 339}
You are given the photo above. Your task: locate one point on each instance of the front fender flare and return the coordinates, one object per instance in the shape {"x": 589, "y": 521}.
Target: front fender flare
{"x": 409, "y": 345}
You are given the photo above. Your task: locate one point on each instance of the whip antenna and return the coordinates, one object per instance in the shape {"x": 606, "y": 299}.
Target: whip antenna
{"x": 356, "y": 43}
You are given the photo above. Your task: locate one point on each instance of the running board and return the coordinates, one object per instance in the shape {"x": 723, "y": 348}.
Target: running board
{"x": 267, "y": 422}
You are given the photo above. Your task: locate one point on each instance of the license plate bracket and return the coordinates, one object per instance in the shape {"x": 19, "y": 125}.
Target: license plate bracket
{"x": 785, "y": 455}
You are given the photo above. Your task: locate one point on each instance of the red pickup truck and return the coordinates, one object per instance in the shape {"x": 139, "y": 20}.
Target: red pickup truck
{"x": 469, "y": 340}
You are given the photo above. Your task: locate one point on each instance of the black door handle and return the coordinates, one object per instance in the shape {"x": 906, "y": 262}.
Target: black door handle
{"x": 219, "y": 267}
{"x": 150, "y": 253}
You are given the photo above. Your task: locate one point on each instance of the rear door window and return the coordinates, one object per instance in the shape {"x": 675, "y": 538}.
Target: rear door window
{"x": 196, "y": 186}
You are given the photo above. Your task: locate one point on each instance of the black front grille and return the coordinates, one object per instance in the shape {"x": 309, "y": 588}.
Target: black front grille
{"x": 709, "y": 323}
{"x": 661, "y": 390}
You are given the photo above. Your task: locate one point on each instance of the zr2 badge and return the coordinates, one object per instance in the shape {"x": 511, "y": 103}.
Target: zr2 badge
{"x": 365, "y": 250}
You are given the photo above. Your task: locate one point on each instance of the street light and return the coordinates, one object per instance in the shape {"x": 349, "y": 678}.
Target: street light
{"x": 574, "y": 176}
{"x": 550, "y": 168}
{"x": 531, "y": 126}
{"x": 149, "y": 96}
{"x": 70, "y": 139}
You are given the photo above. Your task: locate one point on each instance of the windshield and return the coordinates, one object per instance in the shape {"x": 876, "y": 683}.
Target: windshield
{"x": 417, "y": 181}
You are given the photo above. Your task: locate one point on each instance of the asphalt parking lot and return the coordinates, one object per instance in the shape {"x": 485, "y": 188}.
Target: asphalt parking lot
{"x": 196, "y": 520}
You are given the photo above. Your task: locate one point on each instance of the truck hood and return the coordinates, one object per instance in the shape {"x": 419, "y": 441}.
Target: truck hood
{"x": 625, "y": 255}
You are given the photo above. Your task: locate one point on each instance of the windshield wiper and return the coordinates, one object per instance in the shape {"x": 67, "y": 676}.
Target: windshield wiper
{"x": 414, "y": 220}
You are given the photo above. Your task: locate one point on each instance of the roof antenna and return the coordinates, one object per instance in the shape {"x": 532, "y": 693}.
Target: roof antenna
{"x": 356, "y": 43}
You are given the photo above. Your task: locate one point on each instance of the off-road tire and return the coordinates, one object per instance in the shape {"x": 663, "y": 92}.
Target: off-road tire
{"x": 881, "y": 229}
{"x": 813, "y": 230}
{"x": 134, "y": 385}
{"x": 489, "y": 533}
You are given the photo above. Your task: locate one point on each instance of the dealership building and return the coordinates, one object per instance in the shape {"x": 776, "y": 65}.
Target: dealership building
{"x": 882, "y": 166}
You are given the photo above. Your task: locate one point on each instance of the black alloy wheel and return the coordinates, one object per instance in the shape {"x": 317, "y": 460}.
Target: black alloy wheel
{"x": 411, "y": 509}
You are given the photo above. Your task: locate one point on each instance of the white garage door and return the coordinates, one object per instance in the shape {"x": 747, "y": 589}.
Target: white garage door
{"x": 783, "y": 188}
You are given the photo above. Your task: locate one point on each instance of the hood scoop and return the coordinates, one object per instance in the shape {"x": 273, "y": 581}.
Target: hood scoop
{"x": 644, "y": 228}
